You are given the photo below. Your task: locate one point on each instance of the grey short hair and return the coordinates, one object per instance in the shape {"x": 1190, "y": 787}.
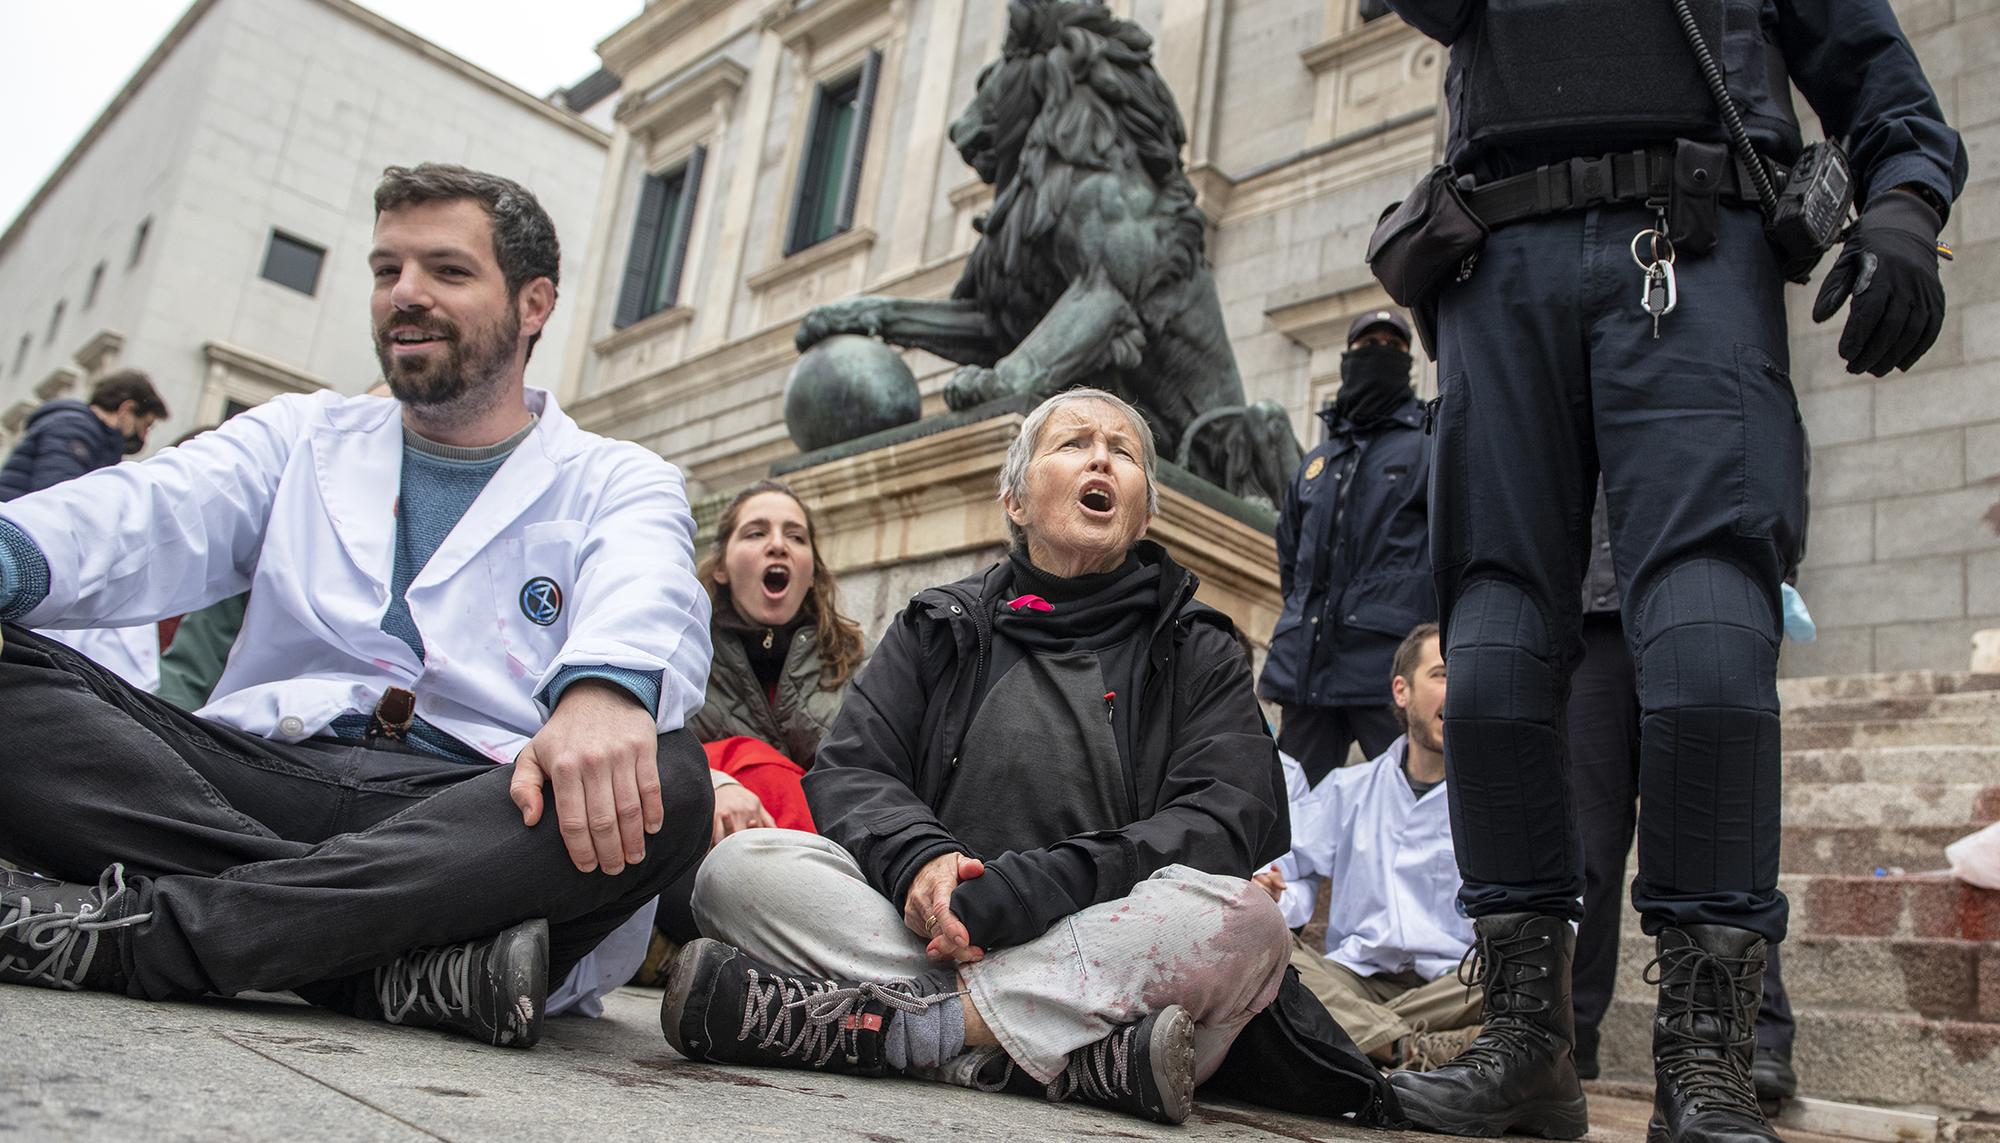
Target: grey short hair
{"x": 1014, "y": 470}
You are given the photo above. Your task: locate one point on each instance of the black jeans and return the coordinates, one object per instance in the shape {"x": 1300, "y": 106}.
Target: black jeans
{"x": 269, "y": 866}
{"x": 1550, "y": 372}
{"x": 1318, "y": 736}
{"x": 1604, "y": 769}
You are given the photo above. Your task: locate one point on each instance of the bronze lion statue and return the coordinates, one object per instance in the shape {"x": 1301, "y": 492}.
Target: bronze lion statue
{"x": 1089, "y": 267}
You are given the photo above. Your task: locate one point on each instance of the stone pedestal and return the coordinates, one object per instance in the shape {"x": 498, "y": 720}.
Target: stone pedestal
{"x": 920, "y": 507}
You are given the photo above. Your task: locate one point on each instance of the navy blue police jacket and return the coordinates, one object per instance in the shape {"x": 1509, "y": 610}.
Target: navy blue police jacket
{"x": 1354, "y": 562}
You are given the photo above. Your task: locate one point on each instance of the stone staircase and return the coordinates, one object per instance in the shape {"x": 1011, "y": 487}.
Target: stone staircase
{"x": 1893, "y": 968}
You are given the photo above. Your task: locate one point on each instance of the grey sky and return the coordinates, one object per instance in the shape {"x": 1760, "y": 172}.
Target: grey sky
{"x": 61, "y": 61}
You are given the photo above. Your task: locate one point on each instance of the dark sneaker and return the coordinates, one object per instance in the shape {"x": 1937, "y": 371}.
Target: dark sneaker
{"x": 1423, "y": 1050}
{"x": 725, "y": 1006}
{"x": 1144, "y": 1069}
{"x": 491, "y": 990}
{"x": 56, "y": 934}
{"x": 1775, "y": 1082}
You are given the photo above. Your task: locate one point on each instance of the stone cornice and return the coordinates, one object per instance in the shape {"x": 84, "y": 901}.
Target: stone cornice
{"x": 799, "y": 24}
{"x": 688, "y": 95}
{"x": 1332, "y": 52}
{"x": 266, "y": 369}
{"x": 818, "y": 254}
{"x": 650, "y": 30}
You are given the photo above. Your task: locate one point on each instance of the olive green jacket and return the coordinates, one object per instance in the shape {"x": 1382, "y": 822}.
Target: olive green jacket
{"x": 736, "y": 704}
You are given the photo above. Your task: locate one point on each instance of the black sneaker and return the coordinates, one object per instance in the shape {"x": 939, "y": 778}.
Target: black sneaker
{"x": 1144, "y": 1069}
{"x": 1772, "y": 1077}
{"x": 725, "y": 1006}
{"x": 56, "y": 934}
{"x": 492, "y": 990}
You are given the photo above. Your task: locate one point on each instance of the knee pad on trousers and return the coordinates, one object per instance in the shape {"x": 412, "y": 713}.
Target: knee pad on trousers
{"x": 1707, "y": 636}
{"x": 1501, "y": 656}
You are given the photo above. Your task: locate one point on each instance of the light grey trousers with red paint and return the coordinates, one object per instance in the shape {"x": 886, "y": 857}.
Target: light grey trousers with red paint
{"x": 1214, "y": 945}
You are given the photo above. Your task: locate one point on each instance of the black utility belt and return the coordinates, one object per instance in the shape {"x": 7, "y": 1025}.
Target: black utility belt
{"x": 1667, "y": 175}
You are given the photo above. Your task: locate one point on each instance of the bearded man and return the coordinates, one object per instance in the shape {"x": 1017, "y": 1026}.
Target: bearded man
{"x": 446, "y": 757}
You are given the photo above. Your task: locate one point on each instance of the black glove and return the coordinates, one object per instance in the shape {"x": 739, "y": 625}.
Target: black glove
{"x": 1889, "y": 267}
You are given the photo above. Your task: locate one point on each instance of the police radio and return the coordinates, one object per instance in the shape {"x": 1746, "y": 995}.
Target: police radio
{"x": 1803, "y": 219}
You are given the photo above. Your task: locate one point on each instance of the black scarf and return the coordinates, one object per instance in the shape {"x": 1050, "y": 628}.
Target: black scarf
{"x": 1374, "y": 383}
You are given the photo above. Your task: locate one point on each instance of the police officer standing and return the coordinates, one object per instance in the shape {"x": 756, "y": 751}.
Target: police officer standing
{"x": 1626, "y": 315}
{"x": 1353, "y": 557}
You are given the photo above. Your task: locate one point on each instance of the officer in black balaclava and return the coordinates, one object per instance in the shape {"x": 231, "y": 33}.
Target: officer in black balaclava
{"x": 1353, "y": 557}
{"x": 1625, "y": 316}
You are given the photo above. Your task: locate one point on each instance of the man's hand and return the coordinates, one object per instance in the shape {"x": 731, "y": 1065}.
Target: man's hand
{"x": 599, "y": 750}
{"x": 927, "y": 908}
{"x": 1887, "y": 273}
{"x": 736, "y": 808}
{"x": 1271, "y": 881}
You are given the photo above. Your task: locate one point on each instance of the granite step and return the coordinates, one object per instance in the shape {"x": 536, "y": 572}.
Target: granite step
{"x": 1930, "y": 907}
{"x": 1908, "y": 765}
{"x": 1935, "y": 978}
{"x": 1860, "y": 850}
{"x": 1956, "y": 731}
{"x": 1863, "y": 1057}
{"x": 1967, "y": 704}
{"x": 1891, "y": 804}
{"x": 1807, "y": 691}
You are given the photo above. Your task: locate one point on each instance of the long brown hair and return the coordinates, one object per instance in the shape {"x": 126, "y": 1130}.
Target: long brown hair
{"x": 837, "y": 637}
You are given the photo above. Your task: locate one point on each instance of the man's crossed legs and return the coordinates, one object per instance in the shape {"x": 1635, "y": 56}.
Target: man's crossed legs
{"x": 373, "y": 881}
{"x": 1128, "y": 1004}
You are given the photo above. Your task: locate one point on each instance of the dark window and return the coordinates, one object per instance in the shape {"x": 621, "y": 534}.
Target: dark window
{"x": 55, "y": 320}
{"x": 96, "y": 280}
{"x": 660, "y": 241}
{"x": 139, "y": 243}
{"x": 293, "y": 262}
{"x": 836, "y": 144}
{"x": 231, "y": 406}
{"x": 1373, "y": 10}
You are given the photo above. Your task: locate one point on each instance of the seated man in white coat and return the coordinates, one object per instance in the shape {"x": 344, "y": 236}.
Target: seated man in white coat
{"x": 1380, "y": 833}
{"x": 445, "y": 758}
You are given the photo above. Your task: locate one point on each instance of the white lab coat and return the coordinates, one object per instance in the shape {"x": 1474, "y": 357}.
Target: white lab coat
{"x": 1388, "y": 854}
{"x": 131, "y": 653}
{"x": 296, "y": 500}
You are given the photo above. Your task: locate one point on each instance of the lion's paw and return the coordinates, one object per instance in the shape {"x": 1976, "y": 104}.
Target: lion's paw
{"x": 973, "y": 385}
{"x": 854, "y": 315}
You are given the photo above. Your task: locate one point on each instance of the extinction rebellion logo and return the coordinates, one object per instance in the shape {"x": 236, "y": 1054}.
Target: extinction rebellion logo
{"x": 541, "y": 600}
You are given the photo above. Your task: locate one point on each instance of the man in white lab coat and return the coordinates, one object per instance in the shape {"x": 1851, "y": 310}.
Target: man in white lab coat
{"x": 1380, "y": 833}
{"x": 445, "y": 758}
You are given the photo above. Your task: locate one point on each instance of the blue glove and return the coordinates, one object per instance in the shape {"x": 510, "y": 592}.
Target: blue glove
{"x": 1799, "y": 627}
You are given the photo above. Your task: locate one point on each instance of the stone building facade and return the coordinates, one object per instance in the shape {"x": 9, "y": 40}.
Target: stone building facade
{"x": 769, "y": 155}
{"x": 212, "y": 227}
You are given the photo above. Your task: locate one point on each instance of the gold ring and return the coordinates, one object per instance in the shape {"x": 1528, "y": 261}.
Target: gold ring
{"x": 930, "y": 921}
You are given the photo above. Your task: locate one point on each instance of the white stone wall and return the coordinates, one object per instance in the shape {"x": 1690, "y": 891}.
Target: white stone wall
{"x": 271, "y": 113}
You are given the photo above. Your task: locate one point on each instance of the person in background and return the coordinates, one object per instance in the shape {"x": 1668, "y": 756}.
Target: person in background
{"x": 1042, "y": 801}
{"x": 783, "y": 657}
{"x": 1353, "y": 557}
{"x": 64, "y": 440}
{"x": 1380, "y": 835}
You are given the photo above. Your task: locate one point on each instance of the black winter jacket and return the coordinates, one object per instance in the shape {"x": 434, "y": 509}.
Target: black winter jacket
{"x": 1204, "y": 773}
{"x": 64, "y": 440}
{"x": 1354, "y": 562}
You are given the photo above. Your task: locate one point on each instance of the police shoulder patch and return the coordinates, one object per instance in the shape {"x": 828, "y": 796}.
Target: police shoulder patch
{"x": 1317, "y": 466}
{"x": 541, "y": 600}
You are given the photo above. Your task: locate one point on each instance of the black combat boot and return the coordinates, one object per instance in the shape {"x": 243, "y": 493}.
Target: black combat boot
{"x": 55, "y": 934}
{"x": 1145, "y": 1068}
{"x": 1517, "y": 1075}
{"x": 725, "y": 1006}
{"x": 1710, "y": 978}
{"x": 492, "y": 990}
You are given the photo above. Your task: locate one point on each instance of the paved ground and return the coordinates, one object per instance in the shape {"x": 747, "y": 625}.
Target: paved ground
{"x": 91, "y": 1067}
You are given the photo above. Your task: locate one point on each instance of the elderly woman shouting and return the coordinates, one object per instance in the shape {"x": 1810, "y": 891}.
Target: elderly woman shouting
{"x": 1040, "y": 801}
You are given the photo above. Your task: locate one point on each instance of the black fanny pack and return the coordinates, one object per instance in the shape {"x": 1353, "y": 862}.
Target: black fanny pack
{"x": 1427, "y": 241}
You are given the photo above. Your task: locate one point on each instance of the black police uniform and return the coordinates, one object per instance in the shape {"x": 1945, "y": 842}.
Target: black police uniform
{"x": 1564, "y": 116}
{"x": 1354, "y": 563}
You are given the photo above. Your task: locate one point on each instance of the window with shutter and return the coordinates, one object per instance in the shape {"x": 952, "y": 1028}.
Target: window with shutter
{"x": 836, "y": 146}
{"x": 660, "y": 234}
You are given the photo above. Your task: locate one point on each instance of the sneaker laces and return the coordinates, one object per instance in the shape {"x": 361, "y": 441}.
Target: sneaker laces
{"x": 831, "y": 1017}
{"x": 1099, "y": 1071}
{"x": 69, "y": 938}
{"x": 1705, "y": 1067}
{"x": 1505, "y": 1033}
{"x": 436, "y": 982}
